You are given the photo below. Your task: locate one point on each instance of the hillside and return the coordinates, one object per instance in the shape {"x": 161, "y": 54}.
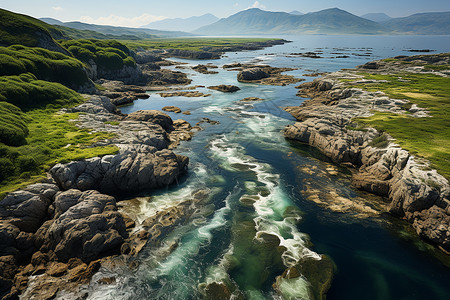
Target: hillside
{"x": 256, "y": 21}
{"x": 184, "y": 24}
{"x": 28, "y": 31}
{"x": 423, "y": 23}
{"x": 118, "y": 32}
{"x": 376, "y": 17}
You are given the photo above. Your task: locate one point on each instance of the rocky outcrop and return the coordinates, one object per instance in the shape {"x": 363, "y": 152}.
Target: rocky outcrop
{"x": 325, "y": 121}
{"x": 224, "y": 88}
{"x": 184, "y": 94}
{"x": 204, "y": 69}
{"x": 263, "y": 74}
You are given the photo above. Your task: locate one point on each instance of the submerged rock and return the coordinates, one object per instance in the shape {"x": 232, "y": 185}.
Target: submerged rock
{"x": 225, "y": 88}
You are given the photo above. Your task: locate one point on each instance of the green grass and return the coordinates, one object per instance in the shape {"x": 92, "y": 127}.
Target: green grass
{"x": 193, "y": 44}
{"x": 52, "y": 139}
{"x": 438, "y": 67}
{"x": 426, "y": 137}
{"x": 44, "y": 64}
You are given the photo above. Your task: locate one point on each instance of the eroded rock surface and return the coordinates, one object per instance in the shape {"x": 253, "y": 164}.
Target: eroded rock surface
{"x": 325, "y": 121}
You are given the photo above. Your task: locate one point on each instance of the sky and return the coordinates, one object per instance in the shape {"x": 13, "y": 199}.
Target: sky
{"x": 135, "y": 13}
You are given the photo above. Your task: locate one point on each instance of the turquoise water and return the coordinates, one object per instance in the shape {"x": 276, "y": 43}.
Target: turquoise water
{"x": 255, "y": 182}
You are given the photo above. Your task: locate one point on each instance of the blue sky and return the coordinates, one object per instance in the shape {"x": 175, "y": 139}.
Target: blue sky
{"x": 140, "y": 12}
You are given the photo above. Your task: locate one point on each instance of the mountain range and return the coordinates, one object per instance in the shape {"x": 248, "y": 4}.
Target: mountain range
{"x": 117, "y": 32}
{"x": 257, "y": 21}
{"x": 187, "y": 24}
{"x": 376, "y": 17}
{"x": 329, "y": 21}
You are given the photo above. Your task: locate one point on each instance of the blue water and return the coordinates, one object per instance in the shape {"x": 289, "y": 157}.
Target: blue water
{"x": 246, "y": 157}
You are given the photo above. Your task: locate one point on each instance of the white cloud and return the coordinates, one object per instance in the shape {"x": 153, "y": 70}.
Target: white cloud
{"x": 114, "y": 20}
{"x": 57, "y": 8}
{"x": 257, "y": 5}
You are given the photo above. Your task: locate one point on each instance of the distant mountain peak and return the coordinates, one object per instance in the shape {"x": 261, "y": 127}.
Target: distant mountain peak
{"x": 185, "y": 24}
{"x": 376, "y": 17}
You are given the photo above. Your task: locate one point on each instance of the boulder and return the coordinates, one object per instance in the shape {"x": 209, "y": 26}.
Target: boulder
{"x": 27, "y": 208}
{"x": 252, "y": 74}
{"x": 136, "y": 168}
{"x": 153, "y": 116}
{"x": 87, "y": 229}
{"x": 225, "y": 88}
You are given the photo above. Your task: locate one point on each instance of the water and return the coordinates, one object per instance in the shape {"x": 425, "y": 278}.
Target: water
{"x": 261, "y": 190}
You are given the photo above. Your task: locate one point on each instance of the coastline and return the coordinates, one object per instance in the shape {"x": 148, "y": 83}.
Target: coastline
{"x": 326, "y": 121}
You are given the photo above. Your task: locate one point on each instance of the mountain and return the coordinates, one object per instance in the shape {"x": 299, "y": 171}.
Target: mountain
{"x": 423, "y": 23}
{"x": 376, "y": 17}
{"x": 51, "y": 21}
{"x": 188, "y": 24}
{"x": 256, "y": 21}
{"x": 119, "y": 32}
{"x": 296, "y": 12}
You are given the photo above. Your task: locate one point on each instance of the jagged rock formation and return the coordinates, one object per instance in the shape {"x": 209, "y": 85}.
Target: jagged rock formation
{"x": 420, "y": 195}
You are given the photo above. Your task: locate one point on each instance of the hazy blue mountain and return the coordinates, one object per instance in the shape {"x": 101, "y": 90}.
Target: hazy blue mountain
{"x": 423, "y": 23}
{"x": 188, "y": 24}
{"x": 296, "y": 12}
{"x": 52, "y": 21}
{"x": 376, "y": 17}
{"x": 118, "y": 32}
{"x": 257, "y": 21}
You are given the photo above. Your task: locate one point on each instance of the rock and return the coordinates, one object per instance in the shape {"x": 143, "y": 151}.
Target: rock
{"x": 184, "y": 94}
{"x": 165, "y": 77}
{"x": 251, "y": 75}
{"x": 251, "y": 99}
{"x": 172, "y": 109}
{"x": 152, "y": 116}
{"x": 225, "y": 88}
{"x": 136, "y": 168}
{"x": 87, "y": 229}
{"x": 325, "y": 122}
{"x": 27, "y": 209}
{"x": 204, "y": 69}
{"x": 57, "y": 269}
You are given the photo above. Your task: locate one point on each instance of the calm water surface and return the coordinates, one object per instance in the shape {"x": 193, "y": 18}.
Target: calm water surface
{"x": 290, "y": 186}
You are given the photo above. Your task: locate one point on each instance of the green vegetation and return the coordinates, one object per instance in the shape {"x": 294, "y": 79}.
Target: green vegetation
{"x": 425, "y": 137}
{"x": 52, "y": 139}
{"x": 43, "y": 64}
{"x": 107, "y": 54}
{"x": 28, "y": 31}
{"x": 193, "y": 44}
{"x": 27, "y": 92}
{"x": 438, "y": 67}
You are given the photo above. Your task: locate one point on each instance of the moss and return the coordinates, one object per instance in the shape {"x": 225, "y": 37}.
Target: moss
{"x": 437, "y": 67}
{"x": 28, "y": 31}
{"x": 27, "y": 92}
{"x": 425, "y": 137}
{"x": 109, "y": 55}
{"x": 13, "y": 125}
{"x": 44, "y": 64}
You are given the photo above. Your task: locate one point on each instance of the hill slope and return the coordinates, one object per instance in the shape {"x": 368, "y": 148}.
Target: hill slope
{"x": 423, "y": 23}
{"x": 377, "y": 17}
{"x": 121, "y": 32}
{"x": 188, "y": 24}
{"x": 28, "y": 31}
{"x": 256, "y": 21}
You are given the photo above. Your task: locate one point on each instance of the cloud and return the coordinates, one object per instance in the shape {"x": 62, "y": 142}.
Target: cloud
{"x": 115, "y": 20}
{"x": 257, "y": 5}
{"x": 57, "y": 8}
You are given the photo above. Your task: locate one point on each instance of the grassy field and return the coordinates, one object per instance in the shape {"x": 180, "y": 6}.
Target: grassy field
{"x": 193, "y": 44}
{"x": 425, "y": 137}
{"x": 51, "y": 138}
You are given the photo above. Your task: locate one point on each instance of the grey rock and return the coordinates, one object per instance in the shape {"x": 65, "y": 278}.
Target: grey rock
{"x": 252, "y": 74}
{"x": 153, "y": 116}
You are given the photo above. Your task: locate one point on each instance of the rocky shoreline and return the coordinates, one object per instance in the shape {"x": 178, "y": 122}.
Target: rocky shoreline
{"x": 326, "y": 122}
{"x": 57, "y": 234}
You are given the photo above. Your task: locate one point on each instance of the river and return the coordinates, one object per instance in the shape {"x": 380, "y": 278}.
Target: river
{"x": 252, "y": 182}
